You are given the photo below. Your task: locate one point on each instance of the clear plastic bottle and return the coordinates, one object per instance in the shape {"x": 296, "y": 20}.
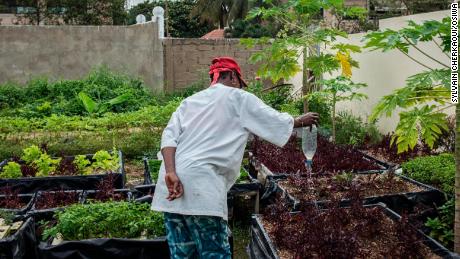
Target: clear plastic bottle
{"x": 309, "y": 139}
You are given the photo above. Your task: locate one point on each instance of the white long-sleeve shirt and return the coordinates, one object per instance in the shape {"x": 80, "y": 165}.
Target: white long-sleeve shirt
{"x": 210, "y": 130}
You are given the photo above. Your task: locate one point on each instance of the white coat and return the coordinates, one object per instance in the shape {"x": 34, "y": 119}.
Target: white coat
{"x": 210, "y": 130}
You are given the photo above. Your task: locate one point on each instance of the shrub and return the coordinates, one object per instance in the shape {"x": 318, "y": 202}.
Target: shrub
{"x": 438, "y": 171}
{"x": 441, "y": 228}
{"x": 40, "y": 97}
{"x": 107, "y": 220}
{"x": 351, "y": 130}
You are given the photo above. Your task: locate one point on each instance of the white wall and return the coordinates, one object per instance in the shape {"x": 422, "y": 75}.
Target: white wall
{"x": 385, "y": 72}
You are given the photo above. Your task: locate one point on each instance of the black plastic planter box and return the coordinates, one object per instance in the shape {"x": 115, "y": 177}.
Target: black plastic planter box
{"x": 244, "y": 198}
{"x": 147, "y": 174}
{"x": 20, "y": 245}
{"x": 27, "y": 199}
{"x": 261, "y": 245}
{"x": 144, "y": 189}
{"x": 50, "y": 183}
{"x": 106, "y": 248}
{"x": 47, "y": 214}
{"x": 399, "y": 202}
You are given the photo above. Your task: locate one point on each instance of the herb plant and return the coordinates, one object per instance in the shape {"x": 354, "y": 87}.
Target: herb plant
{"x": 107, "y": 220}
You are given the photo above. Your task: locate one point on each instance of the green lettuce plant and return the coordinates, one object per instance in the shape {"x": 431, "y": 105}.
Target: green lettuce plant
{"x": 11, "y": 170}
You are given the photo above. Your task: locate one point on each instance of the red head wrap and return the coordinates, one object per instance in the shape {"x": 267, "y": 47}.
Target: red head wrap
{"x": 223, "y": 64}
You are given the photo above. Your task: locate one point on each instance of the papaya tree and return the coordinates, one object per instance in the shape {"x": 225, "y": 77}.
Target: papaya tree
{"x": 425, "y": 98}
{"x": 304, "y": 35}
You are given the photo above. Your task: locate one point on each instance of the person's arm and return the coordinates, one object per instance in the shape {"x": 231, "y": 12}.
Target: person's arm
{"x": 173, "y": 183}
{"x": 169, "y": 141}
{"x": 269, "y": 124}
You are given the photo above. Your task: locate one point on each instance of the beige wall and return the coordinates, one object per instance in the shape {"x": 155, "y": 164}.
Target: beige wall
{"x": 385, "y": 72}
{"x": 9, "y": 19}
{"x": 72, "y": 51}
{"x": 188, "y": 60}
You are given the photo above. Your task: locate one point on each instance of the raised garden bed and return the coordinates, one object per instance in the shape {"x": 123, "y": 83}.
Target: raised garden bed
{"x": 360, "y": 232}
{"x": 66, "y": 182}
{"x": 244, "y": 196}
{"x": 12, "y": 201}
{"x": 47, "y": 203}
{"x": 125, "y": 229}
{"x": 330, "y": 159}
{"x": 105, "y": 191}
{"x": 399, "y": 193}
{"x": 18, "y": 204}
{"x": 20, "y": 243}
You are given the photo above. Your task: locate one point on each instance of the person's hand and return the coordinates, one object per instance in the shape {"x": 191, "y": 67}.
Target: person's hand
{"x": 306, "y": 120}
{"x": 174, "y": 185}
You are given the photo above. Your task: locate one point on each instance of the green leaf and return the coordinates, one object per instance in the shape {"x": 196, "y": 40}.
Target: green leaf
{"x": 424, "y": 119}
{"x": 89, "y": 104}
{"x": 119, "y": 99}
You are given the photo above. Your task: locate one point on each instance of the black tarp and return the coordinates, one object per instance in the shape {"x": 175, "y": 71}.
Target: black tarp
{"x": 106, "y": 248}
{"x": 21, "y": 244}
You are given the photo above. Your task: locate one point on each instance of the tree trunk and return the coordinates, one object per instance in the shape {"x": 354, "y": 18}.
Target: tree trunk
{"x": 333, "y": 118}
{"x": 457, "y": 181}
{"x": 305, "y": 83}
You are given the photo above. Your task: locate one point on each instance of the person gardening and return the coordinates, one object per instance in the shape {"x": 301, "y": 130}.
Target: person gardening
{"x": 202, "y": 148}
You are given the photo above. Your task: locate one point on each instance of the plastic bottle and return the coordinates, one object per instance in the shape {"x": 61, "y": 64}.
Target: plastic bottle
{"x": 309, "y": 139}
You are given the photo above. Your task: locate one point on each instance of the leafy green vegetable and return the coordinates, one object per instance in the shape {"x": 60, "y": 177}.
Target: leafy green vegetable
{"x": 11, "y": 170}
{"x": 31, "y": 154}
{"x": 107, "y": 220}
{"x": 105, "y": 161}
{"x": 82, "y": 165}
{"x": 45, "y": 164}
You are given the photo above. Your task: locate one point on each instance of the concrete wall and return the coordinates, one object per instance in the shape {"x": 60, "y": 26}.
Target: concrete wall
{"x": 188, "y": 60}
{"x": 70, "y": 52}
{"x": 385, "y": 72}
